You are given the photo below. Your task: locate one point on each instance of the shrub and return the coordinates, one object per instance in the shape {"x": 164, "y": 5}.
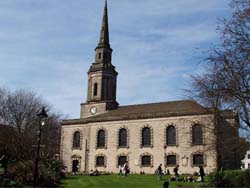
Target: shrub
{"x": 50, "y": 173}
{"x": 230, "y": 178}
{"x": 21, "y": 172}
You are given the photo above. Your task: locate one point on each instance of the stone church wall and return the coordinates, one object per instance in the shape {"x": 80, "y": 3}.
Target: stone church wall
{"x": 183, "y": 149}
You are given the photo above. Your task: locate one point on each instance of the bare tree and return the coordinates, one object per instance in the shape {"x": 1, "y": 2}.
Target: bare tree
{"x": 18, "y": 111}
{"x": 227, "y": 82}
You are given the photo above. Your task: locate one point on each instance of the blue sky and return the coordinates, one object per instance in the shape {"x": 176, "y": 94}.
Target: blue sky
{"x": 48, "y": 46}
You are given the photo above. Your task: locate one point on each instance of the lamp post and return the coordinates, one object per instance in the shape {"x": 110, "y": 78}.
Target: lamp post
{"x": 42, "y": 117}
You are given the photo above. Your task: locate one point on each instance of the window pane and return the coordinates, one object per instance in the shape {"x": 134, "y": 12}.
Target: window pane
{"x": 101, "y": 138}
{"x": 100, "y": 161}
{"x": 146, "y": 137}
{"x": 198, "y": 159}
{"x": 171, "y": 160}
{"x": 197, "y": 134}
{"x": 171, "y": 135}
{"x": 95, "y": 89}
{"x": 76, "y": 140}
{"x": 123, "y": 138}
{"x": 146, "y": 160}
{"x": 122, "y": 160}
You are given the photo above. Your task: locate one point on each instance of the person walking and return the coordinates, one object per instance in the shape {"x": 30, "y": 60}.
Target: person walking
{"x": 160, "y": 173}
{"x": 176, "y": 169}
{"x": 202, "y": 173}
{"x": 120, "y": 169}
{"x": 126, "y": 169}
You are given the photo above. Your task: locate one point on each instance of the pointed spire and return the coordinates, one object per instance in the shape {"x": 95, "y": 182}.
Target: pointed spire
{"x": 104, "y": 35}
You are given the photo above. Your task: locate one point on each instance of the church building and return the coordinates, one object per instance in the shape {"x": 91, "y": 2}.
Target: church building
{"x": 145, "y": 135}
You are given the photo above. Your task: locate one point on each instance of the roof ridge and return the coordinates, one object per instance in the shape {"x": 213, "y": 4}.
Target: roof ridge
{"x": 161, "y": 103}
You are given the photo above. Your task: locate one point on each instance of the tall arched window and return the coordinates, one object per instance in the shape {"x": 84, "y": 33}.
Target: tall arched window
{"x": 95, "y": 89}
{"x": 198, "y": 159}
{"x": 197, "y": 134}
{"x": 146, "y": 160}
{"x": 146, "y": 136}
{"x": 123, "y": 137}
{"x": 101, "y": 138}
{"x": 171, "y": 135}
{"x": 77, "y": 140}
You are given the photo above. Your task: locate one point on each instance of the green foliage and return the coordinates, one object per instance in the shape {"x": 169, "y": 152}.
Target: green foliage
{"x": 50, "y": 173}
{"x": 21, "y": 172}
{"x": 230, "y": 178}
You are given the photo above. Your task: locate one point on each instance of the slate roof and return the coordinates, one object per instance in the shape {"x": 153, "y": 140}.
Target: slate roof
{"x": 144, "y": 111}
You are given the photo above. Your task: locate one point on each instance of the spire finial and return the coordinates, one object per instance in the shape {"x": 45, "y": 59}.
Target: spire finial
{"x": 104, "y": 35}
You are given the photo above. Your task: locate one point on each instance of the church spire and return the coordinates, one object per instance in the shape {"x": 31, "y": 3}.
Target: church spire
{"x": 104, "y": 35}
{"x": 102, "y": 76}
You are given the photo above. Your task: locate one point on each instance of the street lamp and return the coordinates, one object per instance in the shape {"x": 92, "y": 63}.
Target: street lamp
{"x": 42, "y": 117}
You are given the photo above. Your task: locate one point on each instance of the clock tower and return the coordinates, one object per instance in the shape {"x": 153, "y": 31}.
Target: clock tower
{"x": 102, "y": 76}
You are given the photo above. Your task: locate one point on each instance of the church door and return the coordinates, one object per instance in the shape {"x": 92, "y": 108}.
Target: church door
{"x": 75, "y": 166}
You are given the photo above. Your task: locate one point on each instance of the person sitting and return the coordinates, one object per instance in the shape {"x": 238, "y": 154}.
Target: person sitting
{"x": 96, "y": 172}
{"x": 173, "y": 178}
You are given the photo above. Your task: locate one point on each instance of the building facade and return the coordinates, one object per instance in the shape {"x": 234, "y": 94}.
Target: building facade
{"x": 170, "y": 133}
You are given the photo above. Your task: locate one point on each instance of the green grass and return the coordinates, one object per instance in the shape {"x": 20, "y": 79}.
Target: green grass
{"x": 116, "y": 181}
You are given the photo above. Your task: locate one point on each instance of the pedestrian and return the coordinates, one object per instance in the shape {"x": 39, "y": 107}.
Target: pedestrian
{"x": 120, "y": 169}
{"x": 160, "y": 173}
{"x": 202, "y": 173}
{"x": 176, "y": 169}
{"x": 126, "y": 169}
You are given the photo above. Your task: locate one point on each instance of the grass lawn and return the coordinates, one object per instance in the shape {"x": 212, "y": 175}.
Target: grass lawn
{"x": 116, "y": 181}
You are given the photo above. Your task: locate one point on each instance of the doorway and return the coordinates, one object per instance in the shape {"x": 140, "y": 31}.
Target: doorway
{"x": 75, "y": 165}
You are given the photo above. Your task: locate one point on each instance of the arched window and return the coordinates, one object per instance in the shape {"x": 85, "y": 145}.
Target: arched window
{"x": 146, "y": 136}
{"x": 146, "y": 160}
{"x": 198, "y": 159}
{"x": 171, "y": 135}
{"x": 77, "y": 140}
{"x": 171, "y": 160}
{"x": 122, "y": 160}
{"x": 101, "y": 138}
{"x": 123, "y": 137}
{"x": 197, "y": 134}
{"x": 95, "y": 89}
{"x": 100, "y": 161}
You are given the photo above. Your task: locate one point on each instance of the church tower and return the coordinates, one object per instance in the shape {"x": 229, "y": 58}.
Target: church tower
{"x": 102, "y": 76}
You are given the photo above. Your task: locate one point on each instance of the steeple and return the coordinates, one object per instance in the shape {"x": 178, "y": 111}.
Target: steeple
{"x": 102, "y": 76}
{"x": 104, "y": 35}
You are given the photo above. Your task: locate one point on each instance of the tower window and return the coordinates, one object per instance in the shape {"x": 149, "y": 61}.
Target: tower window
{"x": 95, "y": 89}
{"x": 99, "y": 55}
